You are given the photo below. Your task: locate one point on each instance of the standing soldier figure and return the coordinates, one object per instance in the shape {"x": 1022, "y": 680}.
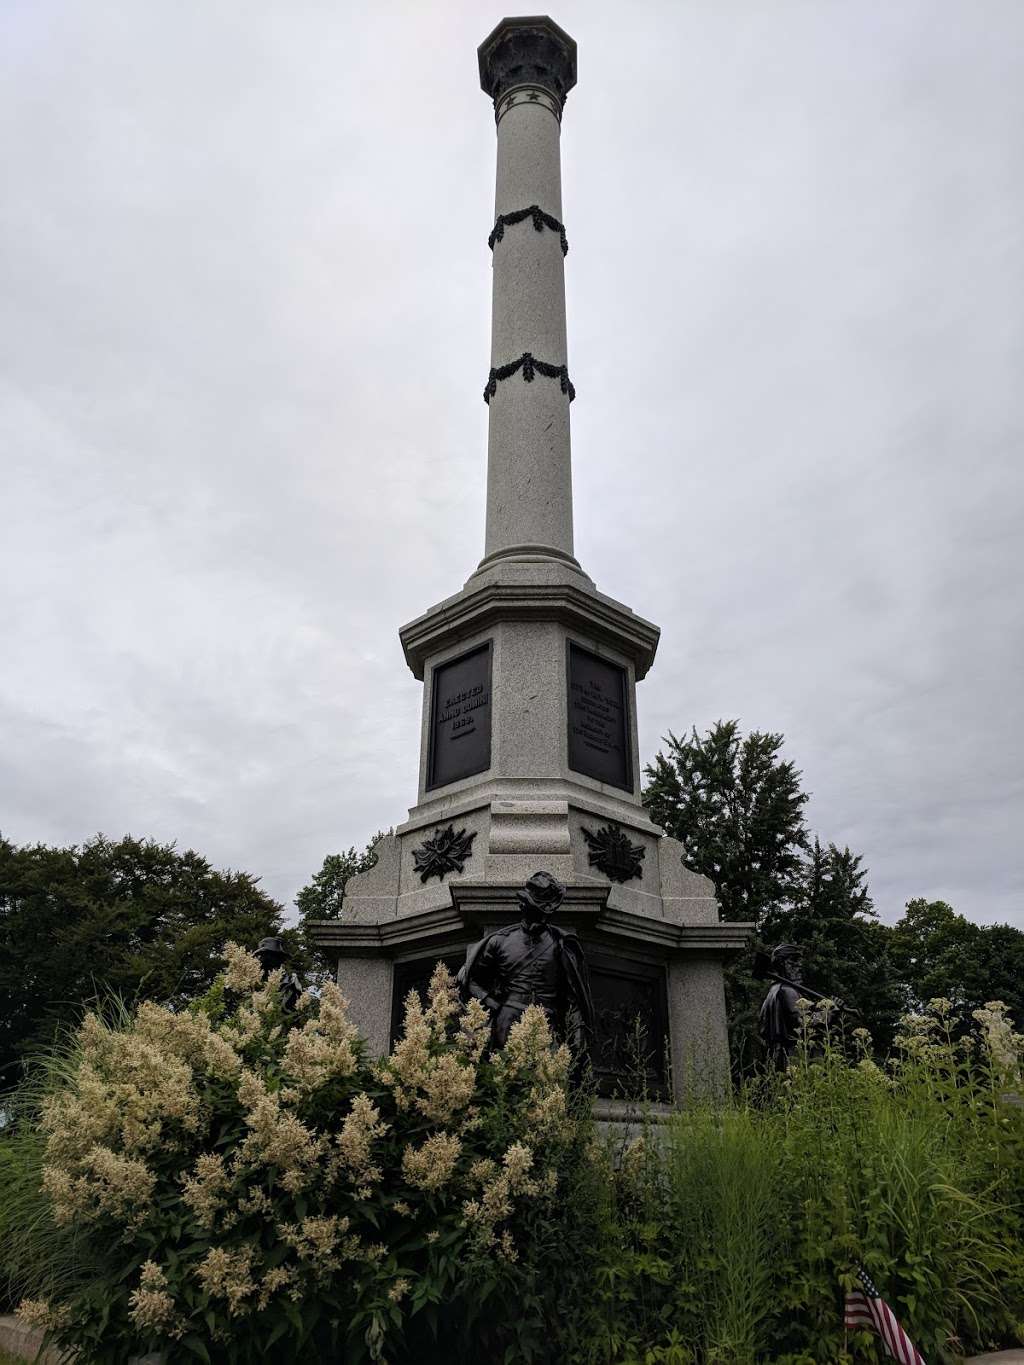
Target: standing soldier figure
{"x": 272, "y": 955}
{"x": 780, "y": 1016}
{"x": 532, "y": 963}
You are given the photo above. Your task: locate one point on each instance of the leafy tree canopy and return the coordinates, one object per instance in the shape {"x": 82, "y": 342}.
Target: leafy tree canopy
{"x": 846, "y": 948}
{"x": 131, "y": 916}
{"x": 324, "y": 895}
{"x": 737, "y": 808}
{"x": 940, "y": 953}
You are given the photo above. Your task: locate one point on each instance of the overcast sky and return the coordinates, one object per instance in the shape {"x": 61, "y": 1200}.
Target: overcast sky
{"x": 244, "y": 324}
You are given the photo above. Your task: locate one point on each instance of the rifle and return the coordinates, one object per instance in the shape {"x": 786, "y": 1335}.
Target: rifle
{"x": 763, "y": 972}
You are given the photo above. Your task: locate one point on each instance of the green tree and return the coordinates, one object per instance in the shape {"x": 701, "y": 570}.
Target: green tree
{"x": 846, "y": 948}
{"x": 324, "y": 895}
{"x": 130, "y": 916}
{"x": 737, "y": 808}
{"x": 938, "y": 952}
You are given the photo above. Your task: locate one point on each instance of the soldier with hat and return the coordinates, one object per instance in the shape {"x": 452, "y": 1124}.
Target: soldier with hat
{"x": 532, "y": 963}
{"x": 271, "y": 954}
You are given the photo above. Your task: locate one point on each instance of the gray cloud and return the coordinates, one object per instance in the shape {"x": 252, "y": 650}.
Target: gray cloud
{"x": 244, "y": 334}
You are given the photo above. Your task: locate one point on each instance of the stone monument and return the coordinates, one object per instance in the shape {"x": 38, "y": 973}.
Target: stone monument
{"x": 528, "y": 754}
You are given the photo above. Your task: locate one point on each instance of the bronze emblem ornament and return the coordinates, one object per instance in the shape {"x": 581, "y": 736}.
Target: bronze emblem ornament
{"x": 445, "y": 851}
{"x": 612, "y": 853}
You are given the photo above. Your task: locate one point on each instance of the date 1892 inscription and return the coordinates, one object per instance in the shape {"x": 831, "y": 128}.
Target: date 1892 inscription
{"x": 460, "y": 719}
{"x": 598, "y": 719}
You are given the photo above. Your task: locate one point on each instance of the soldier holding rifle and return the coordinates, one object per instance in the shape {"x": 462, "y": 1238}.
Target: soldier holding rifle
{"x": 781, "y": 1017}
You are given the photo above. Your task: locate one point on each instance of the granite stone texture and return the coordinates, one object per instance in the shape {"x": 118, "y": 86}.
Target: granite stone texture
{"x": 26, "y": 1343}
{"x": 529, "y": 708}
{"x": 529, "y": 467}
{"x": 538, "y": 587}
{"x": 687, "y": 897}
{"x": 529, "y": 600}
{"x": 366, "y": 984}
{"x": 698, "y": 1034}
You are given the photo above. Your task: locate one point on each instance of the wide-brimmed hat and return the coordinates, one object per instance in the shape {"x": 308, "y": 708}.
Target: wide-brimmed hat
{"x": 786, "y": 952}
{"x": 542, "y": 892}
{"x": 271, "y": 945}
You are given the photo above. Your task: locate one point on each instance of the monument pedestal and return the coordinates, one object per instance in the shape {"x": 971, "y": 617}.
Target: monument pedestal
{"x": 657, "y": 983}
{"x": 528, "y": 758}
{"x": 530, "y": 677}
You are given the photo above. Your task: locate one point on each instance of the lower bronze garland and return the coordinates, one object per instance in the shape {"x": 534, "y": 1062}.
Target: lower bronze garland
{"x": 530, "y": 366}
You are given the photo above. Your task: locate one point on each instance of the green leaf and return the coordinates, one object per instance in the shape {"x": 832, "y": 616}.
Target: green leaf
{"x": 279, "y": 1329}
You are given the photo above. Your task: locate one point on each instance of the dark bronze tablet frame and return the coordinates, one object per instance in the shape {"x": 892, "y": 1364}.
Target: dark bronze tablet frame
{"x": 627, "y": 716}
{"x": 487, "y": 645}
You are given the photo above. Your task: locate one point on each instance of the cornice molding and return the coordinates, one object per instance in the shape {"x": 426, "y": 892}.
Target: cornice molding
{"x": 530, "y": 50}
{"x": 479, "y": 905}
{"x": 475, "y": 610}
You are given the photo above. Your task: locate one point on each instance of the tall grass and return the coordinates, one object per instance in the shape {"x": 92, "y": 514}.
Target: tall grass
{"x": 731, "y": 1237}
{"x": 723, "y": 1178}
{"x": 37, "y": 1257}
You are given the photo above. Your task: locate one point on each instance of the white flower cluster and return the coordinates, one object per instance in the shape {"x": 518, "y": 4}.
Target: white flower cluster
{"x": 140, "y": 1112}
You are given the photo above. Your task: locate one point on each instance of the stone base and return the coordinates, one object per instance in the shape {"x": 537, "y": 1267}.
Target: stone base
{"x": 26, "y": 1343}
{"x": 655, "y": 947}
{"x": 516, "y": 827}
{"x": 529, "y": 761}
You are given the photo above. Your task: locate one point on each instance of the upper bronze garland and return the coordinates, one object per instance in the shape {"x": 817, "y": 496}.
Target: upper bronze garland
{"x": 541, "y": 220}
{"x": 528, "y": 363}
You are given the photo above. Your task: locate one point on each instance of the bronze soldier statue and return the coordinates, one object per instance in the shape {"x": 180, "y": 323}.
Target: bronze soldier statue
{"x": 272, "y": 955}
{"x": 532, "y": 963}
{"x": 781, "y": 1018}
{"x": 780, "y": 1015}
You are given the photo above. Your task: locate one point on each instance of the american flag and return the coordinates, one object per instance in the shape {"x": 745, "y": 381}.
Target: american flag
{"x": 865, "y": 1309}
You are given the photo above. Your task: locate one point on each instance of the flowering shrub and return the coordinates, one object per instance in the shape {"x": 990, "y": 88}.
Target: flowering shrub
{"x": 231, "y": 1185}
{"x": 251, "y": 1185}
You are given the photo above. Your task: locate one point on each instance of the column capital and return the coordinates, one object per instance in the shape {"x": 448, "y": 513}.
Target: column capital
{"x": 528, "y": 51}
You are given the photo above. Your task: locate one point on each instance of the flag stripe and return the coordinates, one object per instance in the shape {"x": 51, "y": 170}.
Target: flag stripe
{"x": 865, "y": 1308}
{"x": 897, "y": 1335}
{"x": 886, "y": 1333}
{"x": 857, "y": 1313}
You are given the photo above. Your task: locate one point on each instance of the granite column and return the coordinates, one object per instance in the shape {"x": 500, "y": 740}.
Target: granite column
{"x": 528, "y": 70}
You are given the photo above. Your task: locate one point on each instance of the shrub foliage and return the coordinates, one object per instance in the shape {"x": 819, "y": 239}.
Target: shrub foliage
{"x": 225, "y": 1184}
{"x": 733, "y": 1241}
{"x": 245, "y": 1188}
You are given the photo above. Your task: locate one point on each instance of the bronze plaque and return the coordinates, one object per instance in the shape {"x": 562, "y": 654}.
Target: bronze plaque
{"x": 598, "y": 719}
{"x": 460, "y": 718}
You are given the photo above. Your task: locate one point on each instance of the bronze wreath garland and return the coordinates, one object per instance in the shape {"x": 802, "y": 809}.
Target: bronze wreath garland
{"x": 541, "y": 220}
{"x": 528, "y": 364}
